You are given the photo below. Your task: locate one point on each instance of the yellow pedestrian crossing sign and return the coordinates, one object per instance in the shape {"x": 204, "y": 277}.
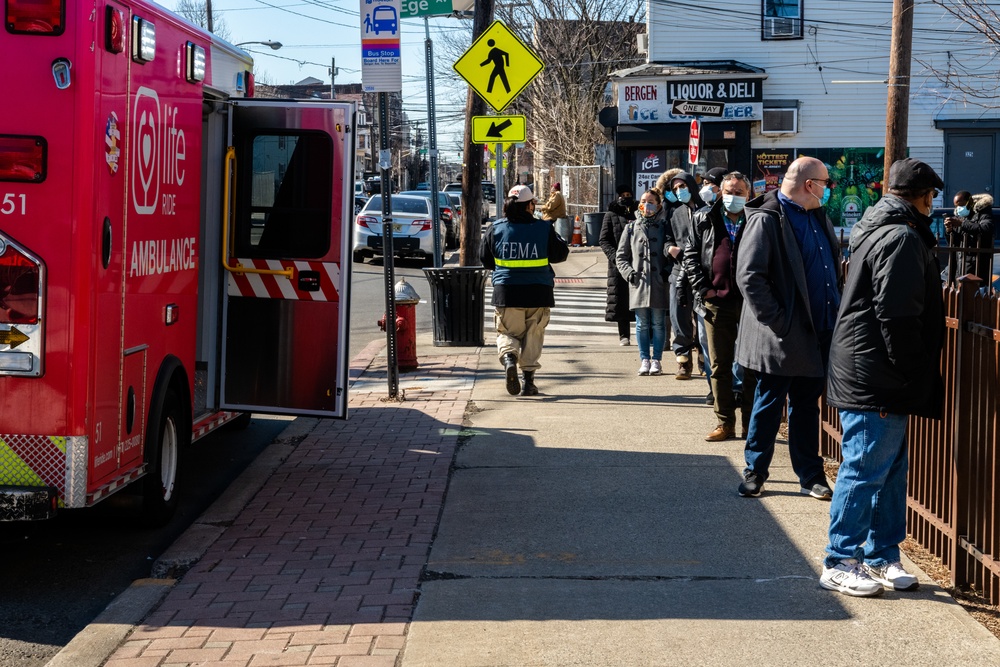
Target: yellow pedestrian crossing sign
{"x": 498, "y": 66}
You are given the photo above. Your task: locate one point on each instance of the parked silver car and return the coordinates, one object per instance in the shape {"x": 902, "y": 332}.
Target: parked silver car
{"x": 412, "y": 235}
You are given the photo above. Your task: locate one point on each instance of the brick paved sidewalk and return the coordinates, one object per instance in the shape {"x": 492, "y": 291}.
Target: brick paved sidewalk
{"x": 323, "y": 565}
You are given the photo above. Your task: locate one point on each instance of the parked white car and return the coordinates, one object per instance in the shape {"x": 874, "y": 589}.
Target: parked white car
{"x": 412, "y": 234}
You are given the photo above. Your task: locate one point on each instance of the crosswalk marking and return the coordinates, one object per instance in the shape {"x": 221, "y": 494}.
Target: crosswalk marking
{"x": 577, "y": 310}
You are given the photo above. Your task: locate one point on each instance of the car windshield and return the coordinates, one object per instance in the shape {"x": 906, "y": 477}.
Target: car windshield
{"x": 415, "y": 205}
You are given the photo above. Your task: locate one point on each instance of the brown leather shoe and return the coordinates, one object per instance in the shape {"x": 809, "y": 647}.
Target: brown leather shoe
{"x": 721, "y": 432}
{"x": 683, "y": 371}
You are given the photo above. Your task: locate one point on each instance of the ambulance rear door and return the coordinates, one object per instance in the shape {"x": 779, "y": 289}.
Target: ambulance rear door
{"x": 286, "y": 241}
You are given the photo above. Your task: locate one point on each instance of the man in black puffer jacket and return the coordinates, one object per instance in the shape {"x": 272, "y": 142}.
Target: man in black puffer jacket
{"x": 884, "y": 366}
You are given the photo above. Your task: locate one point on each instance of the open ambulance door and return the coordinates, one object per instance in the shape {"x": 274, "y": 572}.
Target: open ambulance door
{"x": 286, "y": 257}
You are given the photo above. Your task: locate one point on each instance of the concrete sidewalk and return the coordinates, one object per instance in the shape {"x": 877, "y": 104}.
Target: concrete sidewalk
{"x": 590, "y": 525}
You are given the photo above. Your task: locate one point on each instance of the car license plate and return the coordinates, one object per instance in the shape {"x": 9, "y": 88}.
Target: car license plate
{"x": 397, "y": 228}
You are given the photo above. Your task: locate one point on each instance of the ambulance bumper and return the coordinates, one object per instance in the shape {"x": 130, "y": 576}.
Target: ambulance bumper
{"x": 27, "y": 503}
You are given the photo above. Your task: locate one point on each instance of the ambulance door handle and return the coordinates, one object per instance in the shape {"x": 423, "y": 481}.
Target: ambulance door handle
{"x": 106, "y": 243}
{"x": 308, "y": 281}
{"x": 227, "y": 205}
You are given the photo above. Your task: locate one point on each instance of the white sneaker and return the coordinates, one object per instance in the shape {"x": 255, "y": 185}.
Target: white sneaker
{"x": 624, "y": 341}
{"x": 654, "y": 367}
{"x": 848, "y": 577}
{"x": 893, "y": 576}
{"x": 644, "y": 367}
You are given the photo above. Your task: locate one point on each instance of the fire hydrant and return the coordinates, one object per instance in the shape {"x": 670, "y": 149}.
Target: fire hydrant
{"x": 406, "y": 325}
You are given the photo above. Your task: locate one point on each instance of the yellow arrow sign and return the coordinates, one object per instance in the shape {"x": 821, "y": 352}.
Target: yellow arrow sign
{"x": 12, "y": 337}
{"x": 498, "y": 66}
{"x": 493, "y": 164}
{"x": 499, "y": 129}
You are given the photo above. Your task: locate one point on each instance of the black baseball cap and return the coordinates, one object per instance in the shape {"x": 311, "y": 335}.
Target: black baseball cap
{"x": 714, "y": 175}
{"x": 912, "y": 174}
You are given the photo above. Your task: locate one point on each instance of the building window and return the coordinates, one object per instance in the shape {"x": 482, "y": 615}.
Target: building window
{"x": 781, "y": 19}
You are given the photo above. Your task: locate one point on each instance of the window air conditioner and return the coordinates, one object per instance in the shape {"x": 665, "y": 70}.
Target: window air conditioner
{"x": 782, "y": 27}
{"x": 780, "y": 121}
{"x": 642, "y": 43}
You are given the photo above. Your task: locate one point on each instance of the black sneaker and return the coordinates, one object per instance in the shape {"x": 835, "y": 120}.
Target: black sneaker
{"x": 752, "y": 484}
{"x": 710, "y": 399}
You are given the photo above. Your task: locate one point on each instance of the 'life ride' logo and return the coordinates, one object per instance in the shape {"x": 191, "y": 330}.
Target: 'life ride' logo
{"x": 145, "y": 158}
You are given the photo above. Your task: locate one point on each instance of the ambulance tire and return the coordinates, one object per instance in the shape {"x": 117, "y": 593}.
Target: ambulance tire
{"x": 164, "y": 442}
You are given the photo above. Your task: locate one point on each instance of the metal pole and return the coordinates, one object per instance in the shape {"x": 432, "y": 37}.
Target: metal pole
{"x": 385, "y": 163}
{"x": 498, "y": 173}
{"x": 432, "y": 145}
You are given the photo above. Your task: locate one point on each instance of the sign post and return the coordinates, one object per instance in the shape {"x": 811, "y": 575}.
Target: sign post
{"x": 694, "y": 142}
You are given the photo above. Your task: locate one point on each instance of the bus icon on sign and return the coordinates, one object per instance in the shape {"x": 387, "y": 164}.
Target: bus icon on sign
{"x": 384, "y": 18}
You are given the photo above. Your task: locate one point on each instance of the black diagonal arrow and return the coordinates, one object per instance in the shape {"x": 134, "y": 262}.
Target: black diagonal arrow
{"x": 497, "y": 130}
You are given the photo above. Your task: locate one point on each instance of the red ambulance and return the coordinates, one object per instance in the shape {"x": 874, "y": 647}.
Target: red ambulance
{"x": 173, "y": 252}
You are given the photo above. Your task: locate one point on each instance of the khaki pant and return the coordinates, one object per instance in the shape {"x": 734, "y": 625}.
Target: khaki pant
{"x": 521, "y": 332}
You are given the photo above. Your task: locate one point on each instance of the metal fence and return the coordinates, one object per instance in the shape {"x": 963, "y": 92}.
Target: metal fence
{"x": 953, "y": 485}
{"x": 581, "y": 186}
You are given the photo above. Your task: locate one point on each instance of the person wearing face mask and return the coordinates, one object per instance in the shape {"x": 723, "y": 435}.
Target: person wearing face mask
{"x": 788, "y": 271}
{"x": 972, "y": 228}
{"x": 709, "y": 264}
{"x": 711, "y": 184}
{"x": 681, "y": 302}
{"x": 619, "y": 214}
{"x": 520, "y": 250}
{"x": 884, "y": 366}
{"x": 640, "y": 261}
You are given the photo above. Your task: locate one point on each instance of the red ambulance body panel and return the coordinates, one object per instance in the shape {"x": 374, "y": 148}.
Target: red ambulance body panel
{"x": 112, "y": 298}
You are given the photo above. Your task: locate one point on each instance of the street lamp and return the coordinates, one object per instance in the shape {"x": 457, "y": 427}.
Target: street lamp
{"x": 272, "y": 44}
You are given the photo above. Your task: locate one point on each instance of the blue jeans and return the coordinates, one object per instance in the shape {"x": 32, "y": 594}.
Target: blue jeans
{"x": 655, "y": 319}
{"x": 803, "y": 425}
{"x": 868, "y": 511}
{"x": 706, "y": 360}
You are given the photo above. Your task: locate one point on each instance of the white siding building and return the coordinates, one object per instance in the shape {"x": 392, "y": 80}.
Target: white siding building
{"x": 807, "y": 77}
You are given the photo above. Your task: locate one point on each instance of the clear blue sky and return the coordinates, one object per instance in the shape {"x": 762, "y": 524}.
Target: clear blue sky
{"x": 312, "y": 32}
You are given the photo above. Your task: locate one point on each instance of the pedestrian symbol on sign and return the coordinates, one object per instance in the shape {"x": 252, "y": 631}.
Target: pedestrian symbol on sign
{"x": 498, "y": 56}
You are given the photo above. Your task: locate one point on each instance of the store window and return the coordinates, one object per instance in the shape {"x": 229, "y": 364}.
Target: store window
{"x": 781, "y": 19}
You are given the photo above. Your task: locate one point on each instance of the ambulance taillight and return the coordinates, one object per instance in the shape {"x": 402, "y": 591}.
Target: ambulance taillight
{"x": 22, "y": 159}
{"x": 20, "y": 281}
{"x": 36, "y": 17}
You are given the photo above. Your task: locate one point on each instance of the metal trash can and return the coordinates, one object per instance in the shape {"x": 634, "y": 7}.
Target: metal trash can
{"x": 458, "y": 305}
{"x": 592, "y": 222}
{"x": 564, "y": 228}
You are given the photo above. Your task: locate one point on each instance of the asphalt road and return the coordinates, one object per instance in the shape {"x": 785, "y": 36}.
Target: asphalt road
{"x": 58, "y": 575}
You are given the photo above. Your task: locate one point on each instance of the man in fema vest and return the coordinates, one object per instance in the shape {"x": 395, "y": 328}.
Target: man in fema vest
{"x": 520, "y": 248}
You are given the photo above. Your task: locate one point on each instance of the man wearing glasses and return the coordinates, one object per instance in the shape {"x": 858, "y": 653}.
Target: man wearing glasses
{"x": 788, "y": 271}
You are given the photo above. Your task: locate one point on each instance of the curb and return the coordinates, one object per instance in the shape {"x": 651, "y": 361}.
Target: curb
{"x": 93, "y": 645}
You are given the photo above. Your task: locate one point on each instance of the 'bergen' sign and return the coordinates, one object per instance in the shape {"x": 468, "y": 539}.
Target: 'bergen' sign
{"x": 643, "y": 101}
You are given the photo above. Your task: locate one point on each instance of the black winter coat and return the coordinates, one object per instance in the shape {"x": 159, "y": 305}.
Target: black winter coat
{"x": 615, "y": 221}
{"x": 976, "y": 232}
{"x": 886, "y": 347}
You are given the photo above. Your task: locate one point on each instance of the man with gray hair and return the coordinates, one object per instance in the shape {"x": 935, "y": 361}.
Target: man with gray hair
{"x": 709, "y": 264}
{"x": 788, "y": 271}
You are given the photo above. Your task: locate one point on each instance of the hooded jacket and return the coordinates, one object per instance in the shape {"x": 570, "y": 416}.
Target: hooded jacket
{"x": 777, "y": 335}
{"x": 555, "y": 207}
{"x": 886, "y": 348}
{"x": 615, "y": 220}
{"x": 682, "y": 224}
{"x": 976, "y": 232}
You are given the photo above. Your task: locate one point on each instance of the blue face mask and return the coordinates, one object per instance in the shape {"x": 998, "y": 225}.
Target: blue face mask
{"x": 683, "y": 195}
{"x": 734, "y": 203}
{"x": 962, "y": 211}
{"x": 825, "y": 198}
{"x": 670, "y": 197}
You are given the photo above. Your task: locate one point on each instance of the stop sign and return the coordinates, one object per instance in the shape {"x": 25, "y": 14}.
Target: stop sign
{"x": 694, "y": 142}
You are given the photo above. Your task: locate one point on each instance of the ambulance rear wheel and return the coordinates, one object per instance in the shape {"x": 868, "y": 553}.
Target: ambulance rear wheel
{"x": 163, "y": 448}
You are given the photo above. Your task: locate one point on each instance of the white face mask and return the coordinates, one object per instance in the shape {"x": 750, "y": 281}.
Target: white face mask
{"x": 707, "y": 194}
{"x": 648, "y": 208}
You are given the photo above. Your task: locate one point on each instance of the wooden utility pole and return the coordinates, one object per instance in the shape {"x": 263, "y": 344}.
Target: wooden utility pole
{"x": 897, "y": 114}
{"x": 472, "y": 172}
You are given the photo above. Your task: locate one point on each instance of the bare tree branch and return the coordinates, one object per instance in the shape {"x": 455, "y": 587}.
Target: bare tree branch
{"x": 971, "y": 79}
